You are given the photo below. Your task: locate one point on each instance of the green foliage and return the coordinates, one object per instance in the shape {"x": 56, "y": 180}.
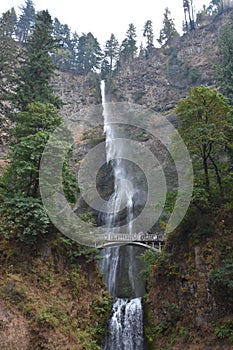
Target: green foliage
{"x": 89, "y": 54}
{"x": 23, "y": 219}
{"x": 168, "y": 31}
{"x": 65, "y": 55}
{"x": 8, "y": 58}
{"x": 26, "y": 21}
{"x": 128, "y": 47}
{"x": 225, "y": 67}
{"x": 22, "y": 213}
{"x": 205, "y": 126}
{"x": 78, "y": 251}
{"x": 152, "y": 259}
{"x": 47, "y": 317}
{"x": 34, "y": 83}
{"x": 223, "y": 275}
{"x": 70, "y": 185}
{"x": 29, "y": 137}
{"x": 149, "y": 35}
{"x": 111, "y": 57}
{"x": 225, "y": 330}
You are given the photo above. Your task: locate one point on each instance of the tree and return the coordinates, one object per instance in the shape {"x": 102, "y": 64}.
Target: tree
{"x": 9, "y": 58}
{"x": 225, "y": 66}
{"x": 188, "y": 9}
{"x": 38, "y": 68}
{"x": 22, "y": 211}
{"x": 26, "y": 21}
{"x": 148, "y": 34}
{"x": 29, "y": 137}
{"x": 128, "y": 47}
{"x": 205, "y": 126}
{"x": 217, "y": 4}
{"x": 168, "y": 31}
{"x": 89, "y": 54}
{"x": 65, "y": 55}
{"x": 111, "y": 54}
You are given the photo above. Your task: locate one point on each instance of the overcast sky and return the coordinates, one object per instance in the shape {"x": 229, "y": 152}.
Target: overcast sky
{"x": 103, "y": 17}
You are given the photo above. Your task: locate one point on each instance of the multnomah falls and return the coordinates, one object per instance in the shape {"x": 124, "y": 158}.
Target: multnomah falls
{"x": 119, "y": 265}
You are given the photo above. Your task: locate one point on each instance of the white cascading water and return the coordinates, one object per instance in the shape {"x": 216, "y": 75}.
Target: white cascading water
{"x": 125, "y": 325}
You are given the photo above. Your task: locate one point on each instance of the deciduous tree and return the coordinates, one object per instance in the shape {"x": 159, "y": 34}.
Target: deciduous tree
{"x": 205, "y": 124}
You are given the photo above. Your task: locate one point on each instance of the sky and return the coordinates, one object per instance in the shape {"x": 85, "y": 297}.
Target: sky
{"x": 103, "y": 17}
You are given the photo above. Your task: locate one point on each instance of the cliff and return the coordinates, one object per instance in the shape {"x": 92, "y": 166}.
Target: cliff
{"x": 162, "y": 79}
{"x": 52, "y": 297}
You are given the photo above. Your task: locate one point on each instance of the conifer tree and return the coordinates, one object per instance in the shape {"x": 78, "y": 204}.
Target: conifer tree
{"x": 26, "y": 21}
{"x": 111, "y": 54}
{"x": 38, "y": 68}
{"x": 149, "y": 35}
{"x": 64, "y": 56}
{"x": 168, "y": 31}
{"x": 89, "y": 54}
{"x": 128, "y": 47}
{"x": 9, "y": 58}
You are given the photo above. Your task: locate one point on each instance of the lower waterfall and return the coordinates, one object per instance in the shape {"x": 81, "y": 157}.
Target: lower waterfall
{"x": 119, "y": 265}
{"x": 125, "y": 327}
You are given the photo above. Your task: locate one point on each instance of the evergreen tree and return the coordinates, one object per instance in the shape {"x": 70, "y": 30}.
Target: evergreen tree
{"x": 148, "y": 33}
{"x": 26, "y": 21}
{"x": 9, "y": 58}
{"x": 89, "y": 54}
{"x": 38, "y": 69}
{"x": 65, "y": 55}
{"x": 111, "y": 54}
{"x": 128, "y": 47}
{"x": 74, "y": 52}
{"x": 168, "y": 32}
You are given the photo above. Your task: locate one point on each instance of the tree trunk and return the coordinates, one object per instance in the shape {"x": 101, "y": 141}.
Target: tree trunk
{"x": 219, "y": 181}
{"x": 206, "y": 170}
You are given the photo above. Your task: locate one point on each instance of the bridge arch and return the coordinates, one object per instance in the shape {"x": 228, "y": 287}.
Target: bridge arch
{"x": 139, "y": 244}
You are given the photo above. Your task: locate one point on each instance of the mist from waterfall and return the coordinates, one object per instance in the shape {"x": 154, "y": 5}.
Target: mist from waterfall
{"x": 118, "y": 264}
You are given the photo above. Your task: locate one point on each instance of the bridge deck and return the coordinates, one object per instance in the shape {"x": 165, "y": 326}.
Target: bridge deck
{"x": 134, "y": 237}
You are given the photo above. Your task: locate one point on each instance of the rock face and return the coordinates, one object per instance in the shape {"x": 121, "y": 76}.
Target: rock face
{"x": 14, "y": 330}
{"x": 161, "y": 80}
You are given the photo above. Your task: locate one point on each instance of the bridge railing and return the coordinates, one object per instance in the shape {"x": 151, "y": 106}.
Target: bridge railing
{"x": 133, "y": 237}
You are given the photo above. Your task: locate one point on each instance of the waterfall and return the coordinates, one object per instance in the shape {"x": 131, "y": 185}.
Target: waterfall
{"x": 125, "y": 324}
{"x": 125, "y": 329}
